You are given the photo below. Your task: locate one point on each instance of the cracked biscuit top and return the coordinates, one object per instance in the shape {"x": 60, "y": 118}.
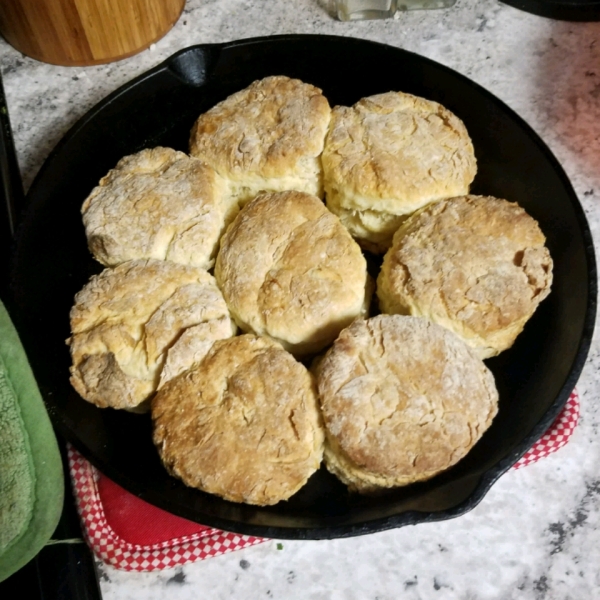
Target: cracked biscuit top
{"x": 402, "y": 400}
{"x": 127, "y": 321}
{"x": 474, "y": 264}
{"x": 244, "y": 424}
{"x": 289, "y": 270}
{"x": 268, "y": 136}
{"x": 158, "y": 203}
{"x": 389, "y": 155}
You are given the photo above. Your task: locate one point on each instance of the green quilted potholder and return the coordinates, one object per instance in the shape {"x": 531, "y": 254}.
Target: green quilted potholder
{"x": 31, "y": 472}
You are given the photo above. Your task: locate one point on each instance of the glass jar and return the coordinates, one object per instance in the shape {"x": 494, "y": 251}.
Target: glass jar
{"x": 357, "y": 10}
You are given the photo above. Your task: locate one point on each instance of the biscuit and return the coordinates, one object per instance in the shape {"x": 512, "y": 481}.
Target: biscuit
{"x": 126, "y": 319}
{"x": 158, "y": 203}
{"x": 268, "y": 136}
{"x": 389, "y": 155}
{"x": 244, "y": 424}
{"x": 402, "y": 400}
{"x": 289, "y": 270}
{"x": 475, "y": 264}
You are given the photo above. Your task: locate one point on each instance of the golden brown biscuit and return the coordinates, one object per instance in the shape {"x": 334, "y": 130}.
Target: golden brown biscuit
{"x": 289, "y": 270}
{"x": 402, "y": 400}
{"x": 474, "y": 264}
{"x": 126, "y": 319}
{"x": 244, "y": 424}
{"x": 268, "y": 136}
{"x": 389, "y": 155}
{"x": 158, "y": 203}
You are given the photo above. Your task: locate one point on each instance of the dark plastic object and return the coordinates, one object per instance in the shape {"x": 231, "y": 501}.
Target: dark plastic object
{"x": 60, "y": 571}
{"x": 64, "y": 569}
{"x": 561, "y": 10}
{"x": 52, "y": 263}
{"x": 11, "y": 189}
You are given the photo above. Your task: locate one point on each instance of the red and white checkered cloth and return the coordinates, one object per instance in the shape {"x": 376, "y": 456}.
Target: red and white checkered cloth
{"x": 132, "y": 535}
{"x": 558, "y": 433}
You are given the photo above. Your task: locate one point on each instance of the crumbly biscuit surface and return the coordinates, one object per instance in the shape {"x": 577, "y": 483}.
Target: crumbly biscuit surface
{"x": 475, "y": 264}
{"x": 126, "y": 319}
{"x": 244, "y": 424}
{"x": 389, "y": 155}
{"x": 397, "y": 399}
{"x": 372, "y": 229}
{"x": 158, "y": 203}
{"x": 268, "y": 136}
{"x": 402, "y": 399}
{"x": 288, "y": 269}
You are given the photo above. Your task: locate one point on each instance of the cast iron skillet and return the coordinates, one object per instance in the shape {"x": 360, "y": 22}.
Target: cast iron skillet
{"x": 51, "y": 263}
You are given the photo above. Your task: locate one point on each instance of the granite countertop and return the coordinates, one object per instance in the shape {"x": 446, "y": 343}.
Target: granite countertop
{"x": 536, "y": 535}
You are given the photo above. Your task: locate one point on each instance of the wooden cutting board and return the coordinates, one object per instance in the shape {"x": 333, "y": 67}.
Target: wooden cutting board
{"x": 85, "y": 32}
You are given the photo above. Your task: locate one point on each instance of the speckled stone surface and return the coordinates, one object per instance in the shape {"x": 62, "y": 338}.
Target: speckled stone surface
{"x": 536, "y": 535}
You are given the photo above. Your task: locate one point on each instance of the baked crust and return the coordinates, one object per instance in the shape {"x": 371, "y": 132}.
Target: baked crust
{"x": 389, "y": 155}
{"x": 474, "y": 264}
{"x": 158, "y": 203}
{"x": 372, "y": 229}
{"x": 268, "y": 136}
{"x": 289, "y": 270}
{"x": 402, "y": 400}
{"x": 126, "y": 319}
{"x": 244, "y": 424}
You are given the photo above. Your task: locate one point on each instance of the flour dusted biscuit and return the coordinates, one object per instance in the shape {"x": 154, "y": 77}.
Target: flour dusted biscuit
{"x": 126, "y": 320}
{"x": 268, "y": 136}
{"x": 402, "y": 400}
{"x": 158, "y": 203}
{"x": 289, "y": 270}
{"x": 389, "y": 155}
{"x": 372, "y": 229}
{"x": 195, "y": 341}
{"x": 474, "y": 264}
{"x": 244, "y": 424}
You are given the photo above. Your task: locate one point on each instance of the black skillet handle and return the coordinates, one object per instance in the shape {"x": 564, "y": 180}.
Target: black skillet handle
{"x": 66, "y": 570}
